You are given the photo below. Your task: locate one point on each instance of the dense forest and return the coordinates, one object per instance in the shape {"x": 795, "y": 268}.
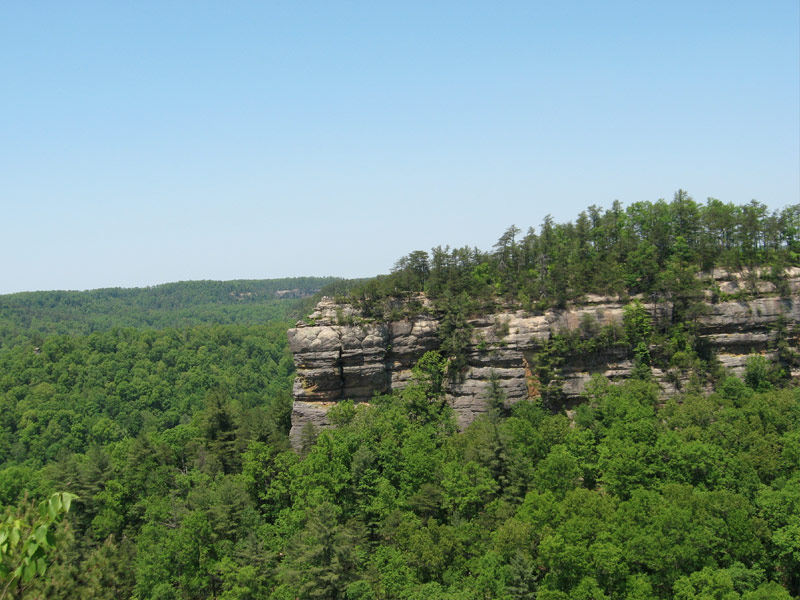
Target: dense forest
{"x": 654, "y": 248}
{"x": 159, "y": 452}
{"x": 30, "y": 316}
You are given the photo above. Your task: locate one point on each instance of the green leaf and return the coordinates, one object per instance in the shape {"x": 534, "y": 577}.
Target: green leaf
{"x": 29, "y": 571}
{"x": 41, "y": 566}
{"x": 32, "y": 548}
{"x": 14, "y": 537}
{"x": 67, "y": 499}
{"x": 54, "y": 505}
{"x": 41, "y": 534}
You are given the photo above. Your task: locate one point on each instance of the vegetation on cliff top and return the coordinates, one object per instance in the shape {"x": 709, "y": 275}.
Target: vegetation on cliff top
{"x": 648, "y": 248}
{"x": 655, "y": 250}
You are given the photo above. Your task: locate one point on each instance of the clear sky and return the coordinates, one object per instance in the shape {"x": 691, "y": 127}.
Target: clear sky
{"x": 146, "y": 142}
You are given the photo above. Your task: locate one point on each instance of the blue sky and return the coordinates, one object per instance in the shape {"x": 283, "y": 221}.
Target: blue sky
{"x": 150, "y": 142}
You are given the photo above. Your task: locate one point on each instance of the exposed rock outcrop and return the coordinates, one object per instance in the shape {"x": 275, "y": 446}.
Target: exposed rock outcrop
{"x": 340, "y": 356}
{"x": 295, "y": 293}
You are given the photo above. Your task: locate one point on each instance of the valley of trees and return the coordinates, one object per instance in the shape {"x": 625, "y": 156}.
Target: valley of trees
{"x": 31, "y": 316}
{"x": 171, "y": 433}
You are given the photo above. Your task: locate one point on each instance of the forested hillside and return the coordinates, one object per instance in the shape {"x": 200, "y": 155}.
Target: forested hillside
{"x": 173, "y": 436}
{"x": 33, "y": 315}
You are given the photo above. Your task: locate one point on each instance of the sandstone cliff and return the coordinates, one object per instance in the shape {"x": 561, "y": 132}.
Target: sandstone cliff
{"x": 336, "y": 361}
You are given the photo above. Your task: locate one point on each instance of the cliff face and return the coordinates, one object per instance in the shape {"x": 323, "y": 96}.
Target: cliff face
{"x": 336, "y": 361}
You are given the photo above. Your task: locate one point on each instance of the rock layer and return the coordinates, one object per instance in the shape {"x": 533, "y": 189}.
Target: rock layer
{"x": 339, "y": 361}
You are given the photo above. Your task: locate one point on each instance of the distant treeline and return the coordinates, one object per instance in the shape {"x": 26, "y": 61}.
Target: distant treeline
{"x": 648, "y": 247}
{"x": 31, "y": 316}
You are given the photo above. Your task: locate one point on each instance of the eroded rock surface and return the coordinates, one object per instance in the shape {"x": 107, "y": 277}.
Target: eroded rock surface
{"x": 336, "y": 359}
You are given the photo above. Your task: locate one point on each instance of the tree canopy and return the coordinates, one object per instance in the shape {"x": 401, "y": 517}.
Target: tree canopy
{"x": 648, "y": 247}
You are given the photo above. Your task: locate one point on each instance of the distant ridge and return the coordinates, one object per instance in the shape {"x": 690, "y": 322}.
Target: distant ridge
{"x": 30, "y": 316}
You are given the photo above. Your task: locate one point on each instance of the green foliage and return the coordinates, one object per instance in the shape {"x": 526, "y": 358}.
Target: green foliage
{"x": 632, "y": 502}
{"x": 761, "y": 374}
{"x": 455, "y": 332}
{"x": 151, "y": 429}
{"x": 321, "y": 558}
{"x": 495, "y": 396}
{"x": 649, "y": 248}
{"x": 429, "y": 373}
{"x": 30, "y": 317}
{"x": 75, "y": 392}
{"x": 639, "y": 331}
{"x": 26, "y": 540}
{"x": 628, "y": 501}
{"x": 586, "y": 341}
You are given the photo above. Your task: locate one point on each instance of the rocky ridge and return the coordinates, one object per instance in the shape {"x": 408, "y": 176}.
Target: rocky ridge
{"x": 338, "y": 355}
